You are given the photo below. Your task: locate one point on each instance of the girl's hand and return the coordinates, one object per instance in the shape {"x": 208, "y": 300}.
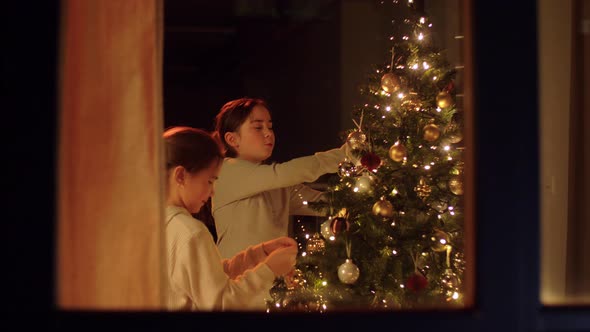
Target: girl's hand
{"x": 281, "y": 242}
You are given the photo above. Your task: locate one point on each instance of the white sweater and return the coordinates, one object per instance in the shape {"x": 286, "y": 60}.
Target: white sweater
{"x": 252, "y": 202}
{"x": 199, "y": 279}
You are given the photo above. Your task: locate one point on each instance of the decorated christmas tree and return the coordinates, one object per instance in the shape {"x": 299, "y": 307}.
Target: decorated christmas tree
{"x": 394, "y": 236}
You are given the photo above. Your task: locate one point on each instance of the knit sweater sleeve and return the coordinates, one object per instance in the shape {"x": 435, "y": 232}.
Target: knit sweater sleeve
{"x": 199, "y": 273}
{"x": 245, "y": 259}
{"x": 239, "y": 179}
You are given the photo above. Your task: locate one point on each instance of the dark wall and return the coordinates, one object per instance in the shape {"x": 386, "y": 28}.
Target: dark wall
{"x": 288, "y": 55}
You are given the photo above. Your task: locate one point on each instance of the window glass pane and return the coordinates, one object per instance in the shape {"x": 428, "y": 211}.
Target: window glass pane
{"x": 387, "y": 77}
{"x": 564, "y": 62}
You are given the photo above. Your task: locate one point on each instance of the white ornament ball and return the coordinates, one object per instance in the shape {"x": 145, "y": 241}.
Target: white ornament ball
{"x": 348, "y": 272}
{"x": 363, "y": 184}
{"x": 326, "y": 230}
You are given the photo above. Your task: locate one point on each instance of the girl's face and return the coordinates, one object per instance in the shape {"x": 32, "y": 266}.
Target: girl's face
{"x": 255, "y": 138}
{"x": 199, "y": 186}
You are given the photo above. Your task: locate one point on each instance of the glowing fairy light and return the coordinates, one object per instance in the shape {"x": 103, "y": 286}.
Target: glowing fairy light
{"x": 435, "y": 78}
{"x": 414, "y": 66}
{"x": 382, "y": 116}
{"x": 425, "y": 65}
{"x": 304, "y": 202}
{"x": 422, "y": 20}
{"x": 447, "y": 148}
{"x": 400, "y": 95}
{"x": 394, "y": 192}
{"x": 427, "y": 167}
{"x": 405, "y": 37}
{"x": 438, "y": 109}
{"x": 388, "y": 108}
{"x": 449, "y": 158}
{"x": 420, "y": 36}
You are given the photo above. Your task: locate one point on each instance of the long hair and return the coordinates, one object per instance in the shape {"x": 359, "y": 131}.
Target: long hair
{"x": 195, "y": 150}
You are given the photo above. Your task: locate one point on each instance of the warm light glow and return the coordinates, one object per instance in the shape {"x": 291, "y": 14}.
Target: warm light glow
{"x": 388, "y": 108}
{"x": 427, "y": 167}
{"x": 455, "y": 295}
{"x": 304, "y": 202}
{"x": 438, "y": 109}
{"x": 394, "y": 192}
{"x": 422, "y": 20}
{"x": 434, "y": 78}
{"x": 400, "y": 95}
{"x": 414, "y": 66}
{"x": 447, "y": 148}
{"x": 425, "y": 65}
{"x": 420, "y": 36}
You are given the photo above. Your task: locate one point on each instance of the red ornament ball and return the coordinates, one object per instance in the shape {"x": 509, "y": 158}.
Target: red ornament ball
{"x": 416, "y": 282}
{"x": 339, "y": 225}
{"x": 371, "y": 161}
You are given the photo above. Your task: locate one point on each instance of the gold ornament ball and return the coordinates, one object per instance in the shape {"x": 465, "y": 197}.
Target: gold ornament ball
{"x": 444, "y": 99}
{"x": 456, "y": 185}
{"x": 357, "y": 139}
{"x": 431, "y": 132}
{"x": 383, "y": 208}
{"x": 390, "y": 82}
{"x": 411, "y": 103}
{"x": 397, "y": 152}
{"x": 456, "y": 137}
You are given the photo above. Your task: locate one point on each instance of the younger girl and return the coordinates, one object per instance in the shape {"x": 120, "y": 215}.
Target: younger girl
{"x": 198, "y": 277}
{"x": 254, "y": 200}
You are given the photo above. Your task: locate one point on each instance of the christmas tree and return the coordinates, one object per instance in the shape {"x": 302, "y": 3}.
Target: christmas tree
{"x": 394, "y": 236}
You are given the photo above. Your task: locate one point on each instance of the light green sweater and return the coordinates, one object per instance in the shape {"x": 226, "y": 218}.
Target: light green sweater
{"x": 252, "y": 202}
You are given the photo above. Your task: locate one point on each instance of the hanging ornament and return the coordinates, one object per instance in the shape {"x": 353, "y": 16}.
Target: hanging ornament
{"x": 416, "y": 282}
{"x": 431, "y": 132}
{"x": 390, "y": 82}
{"x": 348, "y": 272}
{"x": 326, "y": 229}
{"x": 440, "y": 241}
{"x": 455, "y": 137}
{"x": 295, "y": 280}
{"x": 444, "y": 99}
{"x": 397, "y": 152}
{"x": 439, "y": 206}
{"x": 339, "y": 225}
{"x": 450, "y": 285}
{"x": 454, "y": 134}
{"x": 364, "y": 184}
{"x": 383, "y": 208}
{"x": 456, "y": 185}
{"x": 315, "y": 245}
{"x": 449, "y": 279}
{"x": 357, "y": 140}
{"x": 371, "y": 161}
{"x": 423, "y": 189}
{"x": 411, "y": 103}
{"x": 346, "y": 169}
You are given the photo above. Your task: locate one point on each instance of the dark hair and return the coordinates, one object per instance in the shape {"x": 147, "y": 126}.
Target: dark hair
{"x": 194, "y": 149}
{"x": 231, "y": 116}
